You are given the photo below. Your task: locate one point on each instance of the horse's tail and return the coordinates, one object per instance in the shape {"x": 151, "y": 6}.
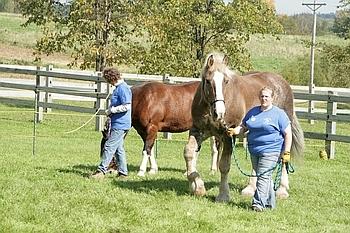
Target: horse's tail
{"x": 298, "y": 143}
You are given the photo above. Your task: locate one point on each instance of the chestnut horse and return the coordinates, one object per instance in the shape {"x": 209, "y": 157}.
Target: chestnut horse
{"x": 159, "y": 107}
{"x": 221, "y": 101}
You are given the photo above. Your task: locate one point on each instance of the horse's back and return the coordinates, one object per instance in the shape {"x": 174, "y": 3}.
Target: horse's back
{"x": 283, "y": 93}
{"x": 168, "y": 107}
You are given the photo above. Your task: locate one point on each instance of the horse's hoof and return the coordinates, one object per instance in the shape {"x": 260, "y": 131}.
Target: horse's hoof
{"x": 223, "y": 198}
{"x": 212, "y": 172}
{"x": 112, "y": 171}
{"x": 200, "y": 192}
{"x": 141, "y": 173}
{"x": 197, "y": 187}
{"x": 282, "y": 193}
{"x": 153, "y": 171}
{"x": 248, "y": 191}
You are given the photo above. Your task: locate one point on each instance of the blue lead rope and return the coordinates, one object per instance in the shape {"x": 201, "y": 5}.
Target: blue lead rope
{"x": 277, "y": 180}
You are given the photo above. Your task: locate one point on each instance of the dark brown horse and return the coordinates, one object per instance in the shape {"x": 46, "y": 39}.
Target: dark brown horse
{"x": 159, "y": 107}
{"x": 222, "y": 101}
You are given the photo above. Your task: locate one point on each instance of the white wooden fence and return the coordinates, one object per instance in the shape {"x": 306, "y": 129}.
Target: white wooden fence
{"x": 91, "y": 86}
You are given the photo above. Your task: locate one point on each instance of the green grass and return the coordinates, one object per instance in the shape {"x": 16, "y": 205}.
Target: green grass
{"x": 50, "y": 191}
{"x": 12, "y": 33}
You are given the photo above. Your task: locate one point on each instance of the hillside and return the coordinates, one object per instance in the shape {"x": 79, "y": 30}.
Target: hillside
{"x": 267, "y": 54}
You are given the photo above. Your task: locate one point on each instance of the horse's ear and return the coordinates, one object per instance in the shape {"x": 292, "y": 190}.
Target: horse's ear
{"x": 210, "y": 61}
{"x": 226, "y": 60}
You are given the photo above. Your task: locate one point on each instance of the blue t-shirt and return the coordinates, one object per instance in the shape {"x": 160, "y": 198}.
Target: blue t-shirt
{"x": 265, "y": 129}
{"x": 121, "y": 95}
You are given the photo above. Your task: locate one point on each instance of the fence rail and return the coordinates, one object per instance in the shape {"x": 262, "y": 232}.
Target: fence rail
{"x": 91, "y": 86}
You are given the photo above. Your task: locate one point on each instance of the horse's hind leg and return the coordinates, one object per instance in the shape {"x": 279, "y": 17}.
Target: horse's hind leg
{"x": 215, "y": 151}
{"x": 284, "y": 184}
{"x": 147, "y": 153}
{"x": 153, "y": 163}
{"x": 281, "y": 191}
{"x": 143, "y": 165}
{"x": 249, "y": 190}
{"x": 113, "y": 167}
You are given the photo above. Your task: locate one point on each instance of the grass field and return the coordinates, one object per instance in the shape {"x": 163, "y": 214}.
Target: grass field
{"x": 50, "y": 191}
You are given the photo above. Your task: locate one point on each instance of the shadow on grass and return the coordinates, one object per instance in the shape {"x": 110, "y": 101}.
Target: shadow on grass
{"x": 158, "y": 184}
{"x": 86, "y": 170}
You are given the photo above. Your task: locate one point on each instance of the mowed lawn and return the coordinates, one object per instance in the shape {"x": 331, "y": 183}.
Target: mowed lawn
{"x": 50, "y": 191}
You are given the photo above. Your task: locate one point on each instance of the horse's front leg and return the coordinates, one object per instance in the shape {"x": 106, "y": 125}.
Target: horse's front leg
{"x": 284, "y": 184}
{"x": 224, "y": 165}
{"x": 190, "y": 155}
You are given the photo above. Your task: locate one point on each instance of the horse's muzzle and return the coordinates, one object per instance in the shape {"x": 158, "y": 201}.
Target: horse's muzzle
{"x": 218, "y": 110}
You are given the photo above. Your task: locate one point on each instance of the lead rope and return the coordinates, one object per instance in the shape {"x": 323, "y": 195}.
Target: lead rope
{"x": 277, "y": 181}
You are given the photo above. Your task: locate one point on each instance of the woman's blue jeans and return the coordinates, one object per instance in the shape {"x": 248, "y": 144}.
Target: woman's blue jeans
{"x": 264, "y": 195}
{"x": 115, "y": 145}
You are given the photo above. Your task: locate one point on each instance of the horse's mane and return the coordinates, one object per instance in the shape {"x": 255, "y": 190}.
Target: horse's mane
{"x": 220, "y": 63}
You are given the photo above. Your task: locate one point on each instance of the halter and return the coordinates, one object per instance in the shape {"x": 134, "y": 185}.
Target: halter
{"x": 217, "y": 101}
{"x": 206, "y": 97}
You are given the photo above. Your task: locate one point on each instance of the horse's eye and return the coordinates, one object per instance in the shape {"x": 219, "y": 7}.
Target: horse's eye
{"x": 226, "y": 80}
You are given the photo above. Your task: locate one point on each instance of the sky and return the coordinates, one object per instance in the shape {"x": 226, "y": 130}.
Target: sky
{"x": 291, "y": 7}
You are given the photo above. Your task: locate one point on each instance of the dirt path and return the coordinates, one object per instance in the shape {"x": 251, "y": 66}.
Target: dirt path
{"x": 10, "y": 52}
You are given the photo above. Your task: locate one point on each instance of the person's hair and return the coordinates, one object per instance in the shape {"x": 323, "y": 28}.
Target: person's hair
{"x": 111, "y": 74}
{"x": 268, "y": 89}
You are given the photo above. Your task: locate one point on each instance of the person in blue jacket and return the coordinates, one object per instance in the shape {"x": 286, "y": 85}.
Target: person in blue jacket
{"x": 269, "y": 139}
{"x": 119, "y": 112}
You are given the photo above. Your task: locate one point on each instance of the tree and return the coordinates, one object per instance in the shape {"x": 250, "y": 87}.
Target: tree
{"x": 95, "y": 32}
{"x": 289, "y": 24}
{"x": 181, "y": 33}
{"x": 342, "y": 23}
{"x": 157, "y": 36}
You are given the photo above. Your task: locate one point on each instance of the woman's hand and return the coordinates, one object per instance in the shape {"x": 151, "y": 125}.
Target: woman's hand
{"x": 230, "y": 132}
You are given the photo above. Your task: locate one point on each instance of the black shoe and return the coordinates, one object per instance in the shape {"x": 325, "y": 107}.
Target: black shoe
{"x": 122, "y": 176}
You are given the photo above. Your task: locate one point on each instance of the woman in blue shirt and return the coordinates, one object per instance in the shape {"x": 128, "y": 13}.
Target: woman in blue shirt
{"x": 119, "y": 112}
{"x": 269, "y": 134}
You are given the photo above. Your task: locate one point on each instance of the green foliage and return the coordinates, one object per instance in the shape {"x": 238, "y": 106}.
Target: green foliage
{"x": 342, "y": 23}
{"x": 50, "y": 192}
{"x": 331, "y": 65}
{"x": 337, "y": 63}
{"x": 181, "y": 33}
{"x": 302, "y": 24}
{"x": 178, "y": 33}
{"x": 94, "y": 32}
{"x": 289, "y": 24}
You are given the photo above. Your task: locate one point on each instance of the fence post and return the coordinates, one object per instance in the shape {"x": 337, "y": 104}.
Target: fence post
{"x": 166, "y": 80}
{"x": 330, "y": 125}
{"x": 99, "y": 104}
{"x": 48, "y": 95}
{"x": 311, "y": 103}
{"x": 39, "y": 82}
